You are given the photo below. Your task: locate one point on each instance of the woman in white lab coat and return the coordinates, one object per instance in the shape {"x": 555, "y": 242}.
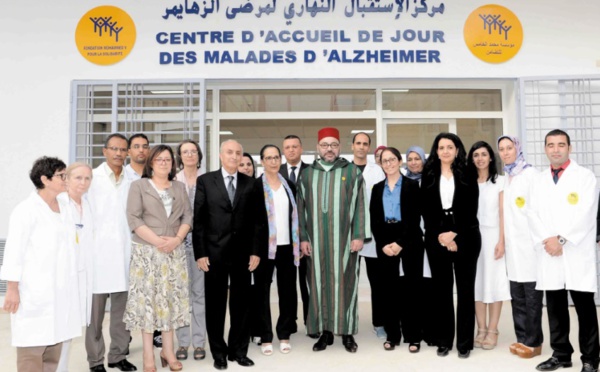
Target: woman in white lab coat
{"x": 40, "y": 267}
{"x": 520, "y": 255}
{"x": 80, "y": 229}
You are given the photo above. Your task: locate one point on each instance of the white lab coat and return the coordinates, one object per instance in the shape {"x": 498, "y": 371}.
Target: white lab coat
{"x": 112, "y": 237}
{"x": 372, "y": 175}
{"x": 38, "y": 256}
{"x": 567, "y": 208}
{"x": 82, "y": 242}
{"x": 520, "y": 256}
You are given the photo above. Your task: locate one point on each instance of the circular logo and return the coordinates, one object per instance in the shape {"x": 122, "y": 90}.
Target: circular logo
{"x": 493, "y": 33}
{"x": 573, "y": 198}
{"x": 520, "y": 201}
{"x": 105, "y": 35}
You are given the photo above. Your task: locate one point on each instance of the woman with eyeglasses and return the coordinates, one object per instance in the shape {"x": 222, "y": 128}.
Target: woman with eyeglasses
{"x": 80, "y": 227}
{"x": 491, "y": 282}
{"x": 278, "y": 240}
{"x": 450, "y": 198}
{"x": 160, "y": 215}
{"x": 247, "y": 165}
{"x": 40, "y": 268}
{"x": 189, "y": 159}
{"x": 395, "y": 222}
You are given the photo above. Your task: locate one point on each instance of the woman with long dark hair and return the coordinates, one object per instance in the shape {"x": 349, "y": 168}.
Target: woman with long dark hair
{"x": 491, "y": 282}
{"x": 452, "y": 239}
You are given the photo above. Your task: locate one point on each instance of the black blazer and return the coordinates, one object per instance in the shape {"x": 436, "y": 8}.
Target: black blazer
{"x": 464, "y": 207}
{"x": 261, "y": 235}
{"x": 408, "y": 233}
{"x": 221, "y": 230}
{"x": 283, "y": 170}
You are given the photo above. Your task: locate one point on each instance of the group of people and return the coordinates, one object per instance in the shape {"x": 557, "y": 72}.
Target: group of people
{"x": 170, "y": 247}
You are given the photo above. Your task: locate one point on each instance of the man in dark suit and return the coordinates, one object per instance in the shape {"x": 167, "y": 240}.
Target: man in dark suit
{"x": 292, "y": 150}
{"x": 222, "y": 238}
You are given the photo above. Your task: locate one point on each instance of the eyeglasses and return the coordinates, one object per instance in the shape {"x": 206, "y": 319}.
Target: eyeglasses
{"x": 117, "y": 149}
{"x": 389, "y": 161}
{"x": 189, "y": 153}
{"x": 272, "y": 158}
{"x": 63, "y": 176}
{"x": 163, "y": 160}
{"x": 324, "y": 145}
{"x": 137, "y": 147}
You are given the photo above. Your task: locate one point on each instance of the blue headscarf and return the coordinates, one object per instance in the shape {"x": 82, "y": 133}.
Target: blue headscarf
{"x": 520, "y": 164}
{"x": 418, "y": 150}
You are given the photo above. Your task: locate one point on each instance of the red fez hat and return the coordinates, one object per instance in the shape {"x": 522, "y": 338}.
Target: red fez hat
{"x": 329, "y": 132}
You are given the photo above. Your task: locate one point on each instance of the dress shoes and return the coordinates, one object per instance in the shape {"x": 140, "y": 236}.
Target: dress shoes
{"x": 514, "y": 346}
{"x": 325, "y": 340}
{"x": 123, "y": 365}
{"x": 528, "y": 353}
{"x": 349, "y": 344}
{"x": 553, "y": 364}
{"x": 587, "y": 367}
{"x": 313, "y": 335}
{"x": 220, "y": 363}
{"x": 243, "y": 361}
{"x": 463, "y": 354}
{"x": 443, "y": 351}
{"x": 98, "y": 368}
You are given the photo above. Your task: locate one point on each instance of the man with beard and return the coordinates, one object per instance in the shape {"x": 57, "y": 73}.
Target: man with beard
{"x": 138, "y": 148}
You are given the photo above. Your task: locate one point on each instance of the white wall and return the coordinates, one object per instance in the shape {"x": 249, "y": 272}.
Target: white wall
{"x": 39, "y": 60}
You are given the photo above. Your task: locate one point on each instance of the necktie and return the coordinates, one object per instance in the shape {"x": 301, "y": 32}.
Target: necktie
{"x": 555, "y": 173}
{"x": 231, "y": 189}
{"x": 293, "y": 175}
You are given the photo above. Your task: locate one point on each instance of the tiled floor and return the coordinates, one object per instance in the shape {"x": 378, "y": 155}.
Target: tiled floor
{"x": 370, "y": 356}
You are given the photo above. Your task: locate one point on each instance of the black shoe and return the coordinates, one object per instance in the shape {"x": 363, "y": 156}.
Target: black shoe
{"x": 325, "y": 339}
{"x": 587, "y": 367}
{"x": 220, "y": 363}
{"x": 349, "y": 343}
{"x": 243, "y": 361}
{"x": 443, "y": 351}
{"x": 463, "y": 354}
{"x": 313, "y": 335}
{"x": 123, "y": 365}
{"x": 98, "y": 368}
{"x": 157, "y": 339}
{"x": 553, "y": 364}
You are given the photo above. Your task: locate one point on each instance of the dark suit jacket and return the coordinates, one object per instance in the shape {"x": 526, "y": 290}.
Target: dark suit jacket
{"x": 261, "y": 235}
{"x": 407, "y": 233}
{"x": 464, "y": 206}
{"x": 221, "y": 230}
{"x": 284, "y": 172}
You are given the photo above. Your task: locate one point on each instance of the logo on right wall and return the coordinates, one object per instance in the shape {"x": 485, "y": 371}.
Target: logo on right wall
{"x": 493, "y": 33}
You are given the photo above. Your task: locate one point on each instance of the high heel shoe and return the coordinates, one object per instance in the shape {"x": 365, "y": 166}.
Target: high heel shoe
{"x": 488, "y": 343}
{"x": 481, "y": 333}
{"x": 174, "y": 366}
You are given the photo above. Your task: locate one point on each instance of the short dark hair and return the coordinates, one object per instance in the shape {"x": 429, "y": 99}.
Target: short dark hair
{"x": 366, "y": 134}
{"x": 45, "y": 166}
{"x": 117, "y": 135}
{"x": 137, "y": 135}
{"x": 394, "y": 151}
{"x": 492, "y": 169}
{"x": 557, "y": 132}
{"x": 293, "y": 136}
{"x": 180, "y": 161}
{"x": 262, "y": 151}
{"x": 247, "y": 155}
{"x": 147, "y": 173}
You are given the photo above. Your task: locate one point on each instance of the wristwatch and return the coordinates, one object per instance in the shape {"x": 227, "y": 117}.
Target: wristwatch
{"x": 561, "y": 240}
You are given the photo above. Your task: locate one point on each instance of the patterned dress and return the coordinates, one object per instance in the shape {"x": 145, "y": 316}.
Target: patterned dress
{"x": 333, "y": 211}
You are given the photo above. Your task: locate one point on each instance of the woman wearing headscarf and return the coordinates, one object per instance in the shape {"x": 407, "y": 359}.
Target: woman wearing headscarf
{"x": 278, "y": 240}
{"x": 491, "y": 283}
{"x": 377, "y": 154}
{"x": 520, "y": 255}
{"x": 415, "y": 161}
{"x": 247, "y": 165}
{"x": 452, "y": 239}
